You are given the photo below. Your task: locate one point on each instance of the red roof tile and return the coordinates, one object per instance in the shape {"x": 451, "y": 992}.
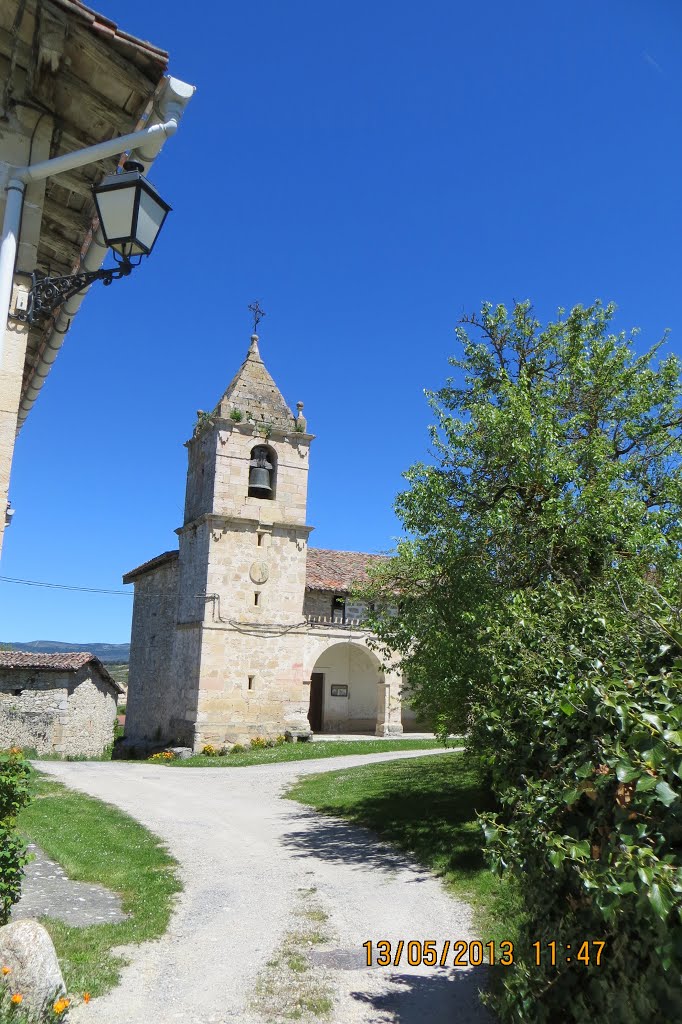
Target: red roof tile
{"x": 65, "y": 662}
{"x": 338, "y": 570}
{"x": 99, "y": 23}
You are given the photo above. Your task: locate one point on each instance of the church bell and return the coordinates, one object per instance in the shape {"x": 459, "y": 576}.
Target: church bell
{"x": 260, "y": 473}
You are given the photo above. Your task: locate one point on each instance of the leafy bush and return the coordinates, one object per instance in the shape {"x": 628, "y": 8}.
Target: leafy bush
{"x": 14, "y": 794}
{"x": 238, "y": 748}
{"x": 208, "y": 750}
{"x": 258, "y": 743}
{"x": 588, "y": 766}
{"x": 163, "y": 755}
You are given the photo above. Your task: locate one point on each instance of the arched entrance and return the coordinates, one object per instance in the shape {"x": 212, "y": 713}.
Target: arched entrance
{"x": 346, "y": 686}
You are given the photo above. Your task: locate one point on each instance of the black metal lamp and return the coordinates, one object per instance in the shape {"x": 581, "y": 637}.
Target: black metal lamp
{"x": 130, "y": 211}
{"x": 131, "y": 214}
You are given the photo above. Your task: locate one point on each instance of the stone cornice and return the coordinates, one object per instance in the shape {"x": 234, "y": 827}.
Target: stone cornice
{"x": 224, "y": 522}
{"x": 275, "y": 433}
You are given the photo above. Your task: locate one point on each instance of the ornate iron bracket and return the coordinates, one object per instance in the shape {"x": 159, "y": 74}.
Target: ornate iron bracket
{"x": 48, "y": 293}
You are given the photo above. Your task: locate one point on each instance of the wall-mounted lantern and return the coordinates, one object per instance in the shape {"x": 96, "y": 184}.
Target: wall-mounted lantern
{"x": 131, "y": 214}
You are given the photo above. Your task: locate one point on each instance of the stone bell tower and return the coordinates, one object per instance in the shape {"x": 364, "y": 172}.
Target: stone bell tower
{"x": 242, "y": 564}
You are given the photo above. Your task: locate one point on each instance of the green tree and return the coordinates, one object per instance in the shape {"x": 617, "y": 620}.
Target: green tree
{"x": 538, "y": 596}
{"x": 556, "y": 461}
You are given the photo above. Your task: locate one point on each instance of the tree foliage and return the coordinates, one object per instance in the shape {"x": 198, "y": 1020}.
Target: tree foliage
{"x": 14, "y": 794}
{"x": 556, "y": 458}
{"x": 537, "y": 588}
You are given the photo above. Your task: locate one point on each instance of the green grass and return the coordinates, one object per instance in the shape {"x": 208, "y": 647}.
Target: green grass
{"x": 427, "y": 807}
{"x": 306, "y": 752}
{"x": 95, "y": 842}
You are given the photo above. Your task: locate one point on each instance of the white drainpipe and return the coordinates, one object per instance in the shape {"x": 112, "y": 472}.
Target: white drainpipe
{"x": 146, "y": 144}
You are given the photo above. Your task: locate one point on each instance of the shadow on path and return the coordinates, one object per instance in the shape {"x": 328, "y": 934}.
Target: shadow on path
{"x": 440, "y": 997}
{"x": 337, "y": 841}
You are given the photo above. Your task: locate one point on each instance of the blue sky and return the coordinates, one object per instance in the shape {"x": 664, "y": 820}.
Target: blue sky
{"x": 369, "y": 171}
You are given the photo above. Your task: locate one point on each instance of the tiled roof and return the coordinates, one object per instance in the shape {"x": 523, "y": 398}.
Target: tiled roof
{"x": 325, "y": 570}
{"x": 64, "y": 662}
{"x": 103, "y": 26}
{"x": 338, "y": 570}
{"x": 153, "y": 563}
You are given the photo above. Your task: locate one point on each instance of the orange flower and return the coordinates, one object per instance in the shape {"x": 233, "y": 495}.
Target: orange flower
{"x": 60, "y": 1006}
{"x": 7, "y": 970}
{"x": 86, "y": 997}
{"x": 17, "y": 998}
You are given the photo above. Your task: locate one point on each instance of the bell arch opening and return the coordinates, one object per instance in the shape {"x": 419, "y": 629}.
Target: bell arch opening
{"x": 263, "y": 472}
{"x": 346, "y": 690}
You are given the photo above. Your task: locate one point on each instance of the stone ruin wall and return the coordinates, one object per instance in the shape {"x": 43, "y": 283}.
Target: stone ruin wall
{"x": 69, "y": 713}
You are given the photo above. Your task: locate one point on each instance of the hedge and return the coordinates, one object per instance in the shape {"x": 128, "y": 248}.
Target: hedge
{"x": 14, "y": 794}
{"x": 588, "y": 769}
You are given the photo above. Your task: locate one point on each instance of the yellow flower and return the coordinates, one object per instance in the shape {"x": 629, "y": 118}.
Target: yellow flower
{"x": 17, "y": 998}
{"x": 60, "y": 1005}
{"x": 7, "y": 970}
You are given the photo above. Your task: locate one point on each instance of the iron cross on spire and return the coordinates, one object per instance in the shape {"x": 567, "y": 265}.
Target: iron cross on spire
{"x": 258, "y": 314}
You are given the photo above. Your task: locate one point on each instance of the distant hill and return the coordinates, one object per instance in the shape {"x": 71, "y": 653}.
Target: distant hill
{"x": 111, "y": 653}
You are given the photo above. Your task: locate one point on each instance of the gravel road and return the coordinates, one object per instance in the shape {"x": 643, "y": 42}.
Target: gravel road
{"x": 248, "y": 860}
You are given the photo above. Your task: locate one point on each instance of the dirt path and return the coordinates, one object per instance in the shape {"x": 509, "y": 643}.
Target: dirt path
{"x": 249, "y": 862}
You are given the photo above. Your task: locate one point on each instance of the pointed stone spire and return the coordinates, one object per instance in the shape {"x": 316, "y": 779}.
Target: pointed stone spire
{"x": 254, "y": 394}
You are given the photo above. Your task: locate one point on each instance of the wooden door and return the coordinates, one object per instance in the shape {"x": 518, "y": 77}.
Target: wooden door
{"x": 315, "y": 709}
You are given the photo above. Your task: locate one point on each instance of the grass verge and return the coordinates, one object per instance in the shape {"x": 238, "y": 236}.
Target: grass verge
{"x": 95, "y": 842}
{"x": 427, "y": 807}
{"x": 288, "y": 988}
{"x": 306, "y": 752}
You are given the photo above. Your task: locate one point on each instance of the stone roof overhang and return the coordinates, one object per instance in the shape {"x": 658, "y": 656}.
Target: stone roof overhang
{"x": 66, "y": 662}
{"x": 95, "y": 82}
{"x": 153, "y": 563}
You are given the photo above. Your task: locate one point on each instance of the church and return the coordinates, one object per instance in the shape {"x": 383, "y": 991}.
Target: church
{"x": 244, "y": 630}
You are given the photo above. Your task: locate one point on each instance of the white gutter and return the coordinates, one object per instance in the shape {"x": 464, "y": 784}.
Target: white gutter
{"x": 168, "y": 109}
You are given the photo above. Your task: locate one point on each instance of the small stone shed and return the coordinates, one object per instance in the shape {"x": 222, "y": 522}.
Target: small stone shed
{"x": 56, "y": 703}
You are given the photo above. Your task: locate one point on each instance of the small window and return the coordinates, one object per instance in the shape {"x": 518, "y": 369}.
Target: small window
{"x": 251, "y": 682}
{"x": 339, "y": 608}
{"x": 256, "y": 598}
{"x": 260, "y": 540}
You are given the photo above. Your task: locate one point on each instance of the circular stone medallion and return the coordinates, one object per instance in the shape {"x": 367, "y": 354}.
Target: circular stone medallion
{"x": 259, "y": 572}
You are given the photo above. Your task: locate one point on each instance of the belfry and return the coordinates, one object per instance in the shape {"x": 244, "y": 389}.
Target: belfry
{"x": 244, "y": 630}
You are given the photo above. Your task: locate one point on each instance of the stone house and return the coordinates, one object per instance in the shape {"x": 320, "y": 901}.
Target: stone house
{"x": 245, "y": 630}
{"x": 56, "y": 703}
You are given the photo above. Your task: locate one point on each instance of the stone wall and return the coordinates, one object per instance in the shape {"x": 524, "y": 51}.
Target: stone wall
{"x": 88, "y": 727}
{"x": 33, "y": 708}
{"x": 152, "y": 677}
{"x": 69, "y": 713}
{"x": 318, "y": 603}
